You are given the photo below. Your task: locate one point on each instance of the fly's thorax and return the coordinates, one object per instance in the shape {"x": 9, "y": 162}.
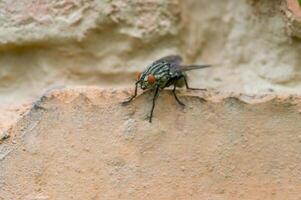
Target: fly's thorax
{"x": 162, "y": 79}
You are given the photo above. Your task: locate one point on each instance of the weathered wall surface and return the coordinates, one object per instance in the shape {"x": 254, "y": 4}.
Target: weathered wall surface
{"x": 293, "y": 13}
{"x": 71, "y": 42}
{"x": 83, "y": 144}
{"x": 46, "y": 44}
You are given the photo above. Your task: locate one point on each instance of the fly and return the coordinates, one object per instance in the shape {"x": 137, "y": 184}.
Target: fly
{"x": 162, "y": 73}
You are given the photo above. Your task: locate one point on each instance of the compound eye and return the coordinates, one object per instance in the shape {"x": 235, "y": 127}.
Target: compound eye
{"x": 151, "y": 79}
{"x": 138, "y": 76}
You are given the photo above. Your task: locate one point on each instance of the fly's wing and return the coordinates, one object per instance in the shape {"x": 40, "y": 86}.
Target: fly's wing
{"x": 174, "y": 64}
{"x": 171, "y": 59}
{"x": 193, "y": 67}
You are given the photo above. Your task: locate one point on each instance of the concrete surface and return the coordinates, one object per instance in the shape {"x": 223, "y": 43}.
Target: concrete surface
{"x": 82, "y": 143}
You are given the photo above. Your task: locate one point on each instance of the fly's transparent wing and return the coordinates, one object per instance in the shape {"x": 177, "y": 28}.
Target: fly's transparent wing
{"x": 193, "y": 67}
{"x": 171, "y": 59}
{"x": 173, "y": 62}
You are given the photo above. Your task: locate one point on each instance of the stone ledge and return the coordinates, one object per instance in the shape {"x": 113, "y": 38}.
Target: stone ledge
{"x": 83, "y": 144}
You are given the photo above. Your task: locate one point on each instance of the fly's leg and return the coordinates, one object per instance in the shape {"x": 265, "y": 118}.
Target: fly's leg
{"x": 175, "y": 95}
{"x": 189, "y": 88}
{"x": 154, "y": 103}
{"x": 132, "y": 97}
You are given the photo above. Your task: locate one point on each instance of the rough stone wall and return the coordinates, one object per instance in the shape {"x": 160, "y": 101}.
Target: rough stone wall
{"x": 45, "y": 44}
{"x": 83, "y": 144}
{"x": 254, "y": 46}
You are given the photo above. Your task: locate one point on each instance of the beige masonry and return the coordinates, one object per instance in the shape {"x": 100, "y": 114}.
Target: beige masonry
{"x": 83, "y": 144}
{"x": 239, "y": 140}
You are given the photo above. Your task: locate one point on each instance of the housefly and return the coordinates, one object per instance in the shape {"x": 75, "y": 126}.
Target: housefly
{"x": 162, "y": 73}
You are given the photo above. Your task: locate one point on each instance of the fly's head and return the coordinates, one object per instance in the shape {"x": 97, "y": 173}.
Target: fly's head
{"x": 146, "y": 80}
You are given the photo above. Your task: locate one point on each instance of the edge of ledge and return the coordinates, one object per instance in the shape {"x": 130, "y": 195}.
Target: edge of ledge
{"x": 105, "y": 96}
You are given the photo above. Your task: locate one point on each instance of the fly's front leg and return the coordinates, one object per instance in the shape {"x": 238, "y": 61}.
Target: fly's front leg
{"x": 154, "y": 103}
{"x": 132, "y": 97}
{"x": 189, "y": 88}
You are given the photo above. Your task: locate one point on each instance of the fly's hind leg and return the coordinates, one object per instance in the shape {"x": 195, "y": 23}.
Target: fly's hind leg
{"x": 190, "y": 88}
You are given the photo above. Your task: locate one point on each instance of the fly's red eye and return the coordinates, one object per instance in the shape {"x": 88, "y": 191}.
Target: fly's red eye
{"x": 151, "y": 79}
{"x": 138, "y": 76}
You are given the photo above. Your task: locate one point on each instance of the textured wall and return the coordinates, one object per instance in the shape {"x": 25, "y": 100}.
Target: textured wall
{"x": 83, "y": 144}
{"x": 293, "y": 14}
{"x": 71, "y": 42}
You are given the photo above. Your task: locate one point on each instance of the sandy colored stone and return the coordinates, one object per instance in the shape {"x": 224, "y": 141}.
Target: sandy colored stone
{"x": 295, "y": 7}
{"x": 46, "y": 21}
{"x": 293, "y": 14}
{"x": 72, "y": 141}
{"x": 83, "y": 144}
{"x": 47, "y": 44}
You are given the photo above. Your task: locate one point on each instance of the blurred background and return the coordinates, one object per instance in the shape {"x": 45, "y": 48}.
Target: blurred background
{"x": 254, "y": 44}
